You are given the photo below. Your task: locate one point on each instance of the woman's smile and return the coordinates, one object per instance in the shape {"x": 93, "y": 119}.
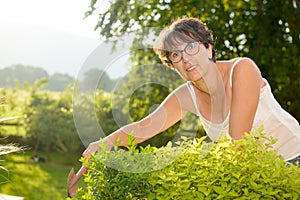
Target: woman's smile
{"x": 189, "y": 69}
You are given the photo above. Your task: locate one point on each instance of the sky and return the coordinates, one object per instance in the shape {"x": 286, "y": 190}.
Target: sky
{"x": 50, "y": 34}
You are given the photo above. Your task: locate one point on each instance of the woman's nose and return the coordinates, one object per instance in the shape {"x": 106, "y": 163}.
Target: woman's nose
{"x": 185, "y": 57}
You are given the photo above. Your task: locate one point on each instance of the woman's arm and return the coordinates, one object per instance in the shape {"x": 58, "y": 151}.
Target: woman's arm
{"x": 246, "y": 84}
{"x": 170, "y": 111}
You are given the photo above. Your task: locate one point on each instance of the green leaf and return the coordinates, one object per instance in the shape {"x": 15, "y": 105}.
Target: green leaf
{"x": 204, "y": 190}
{"x": 219, "y": 189}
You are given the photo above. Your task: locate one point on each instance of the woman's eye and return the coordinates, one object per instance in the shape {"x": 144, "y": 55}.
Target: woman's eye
{"x": 174, "y": 54}
{"x": 191, "y": 45}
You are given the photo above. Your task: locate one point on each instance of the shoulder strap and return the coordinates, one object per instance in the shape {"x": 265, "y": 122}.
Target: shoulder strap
{"x": 231, "y": 72}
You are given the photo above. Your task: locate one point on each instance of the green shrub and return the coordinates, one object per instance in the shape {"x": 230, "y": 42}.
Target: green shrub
{"x": 193, "y": 169}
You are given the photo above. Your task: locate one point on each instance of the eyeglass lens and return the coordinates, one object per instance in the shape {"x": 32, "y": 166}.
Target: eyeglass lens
{"x": 190, "y": 49}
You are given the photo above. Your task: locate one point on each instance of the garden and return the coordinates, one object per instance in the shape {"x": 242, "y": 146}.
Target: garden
{"x": 179, "y": 163}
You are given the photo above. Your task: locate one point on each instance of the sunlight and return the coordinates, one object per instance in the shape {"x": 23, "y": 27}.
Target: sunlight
{"x": 59, "y": 15}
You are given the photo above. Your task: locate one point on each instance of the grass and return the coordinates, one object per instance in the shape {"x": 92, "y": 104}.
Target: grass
{"x": 36, "y": 181}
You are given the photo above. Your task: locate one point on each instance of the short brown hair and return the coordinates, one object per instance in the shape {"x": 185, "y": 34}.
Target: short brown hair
{"x": 182, "y": 30}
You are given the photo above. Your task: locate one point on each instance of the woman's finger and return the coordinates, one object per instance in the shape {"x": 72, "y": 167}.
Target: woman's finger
{"x": 81, "y": 171}
{"x": 92, "y": 148}
{"x": 72, "y": 187}
{"x": 71, "y": 177}
{"x": 72, "y": 191}
{"x": 87, "y": 153}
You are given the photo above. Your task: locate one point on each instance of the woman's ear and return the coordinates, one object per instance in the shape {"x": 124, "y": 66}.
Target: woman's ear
{"x": 209, "y": 51}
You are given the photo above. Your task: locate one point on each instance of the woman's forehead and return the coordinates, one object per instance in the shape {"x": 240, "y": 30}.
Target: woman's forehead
{"x": 177, "y": 41}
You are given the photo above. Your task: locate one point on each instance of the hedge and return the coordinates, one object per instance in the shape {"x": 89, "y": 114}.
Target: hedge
{"x": 193, "y": 169}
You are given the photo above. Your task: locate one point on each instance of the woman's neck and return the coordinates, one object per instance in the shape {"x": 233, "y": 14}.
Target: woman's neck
{"x": 213, "y": 85}
{"x": 214, "y": 81}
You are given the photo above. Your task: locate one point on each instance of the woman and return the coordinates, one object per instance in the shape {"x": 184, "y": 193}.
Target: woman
{"x": 229, "y": 96}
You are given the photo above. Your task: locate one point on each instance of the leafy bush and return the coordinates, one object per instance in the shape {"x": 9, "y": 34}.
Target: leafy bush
{"x": 247, "y": 169}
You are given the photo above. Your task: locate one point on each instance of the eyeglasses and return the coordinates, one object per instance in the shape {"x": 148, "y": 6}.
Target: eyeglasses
{"x": 190, "y": 49}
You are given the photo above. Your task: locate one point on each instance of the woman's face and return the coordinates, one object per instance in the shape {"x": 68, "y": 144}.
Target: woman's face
{"x": 191, "y": 60}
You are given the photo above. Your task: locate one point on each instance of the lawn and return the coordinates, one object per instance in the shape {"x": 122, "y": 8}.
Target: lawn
{"x": 36, "y": 180}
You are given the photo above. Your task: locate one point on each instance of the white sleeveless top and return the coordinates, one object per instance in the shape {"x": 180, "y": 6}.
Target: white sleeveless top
{"x": 276, "y": 121}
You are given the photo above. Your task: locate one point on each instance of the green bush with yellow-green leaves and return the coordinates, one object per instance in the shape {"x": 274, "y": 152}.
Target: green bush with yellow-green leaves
{"x": 193, "y": 169}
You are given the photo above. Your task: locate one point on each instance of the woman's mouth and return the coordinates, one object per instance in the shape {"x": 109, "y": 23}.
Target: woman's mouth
{"x": 190, "y": 68}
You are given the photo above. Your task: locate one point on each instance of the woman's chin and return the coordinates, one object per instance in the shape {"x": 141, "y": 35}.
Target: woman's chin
{"x": 195, "y": 78}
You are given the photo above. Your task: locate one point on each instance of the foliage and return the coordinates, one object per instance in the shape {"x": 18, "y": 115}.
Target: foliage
{"x": 247, "y": 169}
{"x": 244, "y": 170}
{"x": 49, "y": 121}
{"x": 21, "y": 73}
{"x": 103, "y": 109}
{"x": 115, "y": 182}
{"x": 44, "y": 119}
{"x": 58, "y": 82}
{"x": 7, "y": 148}
{"x": 12, "y": 108}
{"x": 92, "y": 113}
{"x": 16, "y": 76}
{"x": 256, "y": 29}
{"x": 97, "y": 79}
{"x": 139, "y": 93}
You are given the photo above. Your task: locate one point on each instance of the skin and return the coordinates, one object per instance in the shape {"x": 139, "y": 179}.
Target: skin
{"x": 241, "y": 100}
{"x": 215, "y": 99}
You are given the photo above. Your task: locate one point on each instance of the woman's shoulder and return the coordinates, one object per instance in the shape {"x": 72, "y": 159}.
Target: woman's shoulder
{"x": 244, "y": 68}
{"x": 231, "y": 64}
{"x": 183, "y": 96}
{"x": 239, "y": 61}
{"x": 244, "y": 65}
{"x": 182, "y": 89}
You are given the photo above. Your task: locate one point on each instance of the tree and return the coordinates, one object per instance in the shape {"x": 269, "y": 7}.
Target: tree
{"x": 18, "y": 75}
{"x": 22, "y": 74}
{"x": 139, "y": 93}
{"x": 58, "y": 82}
{"x": 256, "y": 29}
{"x": 97, "y": 79}
{"x": 49, "y": 120}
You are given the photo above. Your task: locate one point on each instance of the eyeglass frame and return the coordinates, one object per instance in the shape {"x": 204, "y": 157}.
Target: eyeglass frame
{"x": 184, "y": 50}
